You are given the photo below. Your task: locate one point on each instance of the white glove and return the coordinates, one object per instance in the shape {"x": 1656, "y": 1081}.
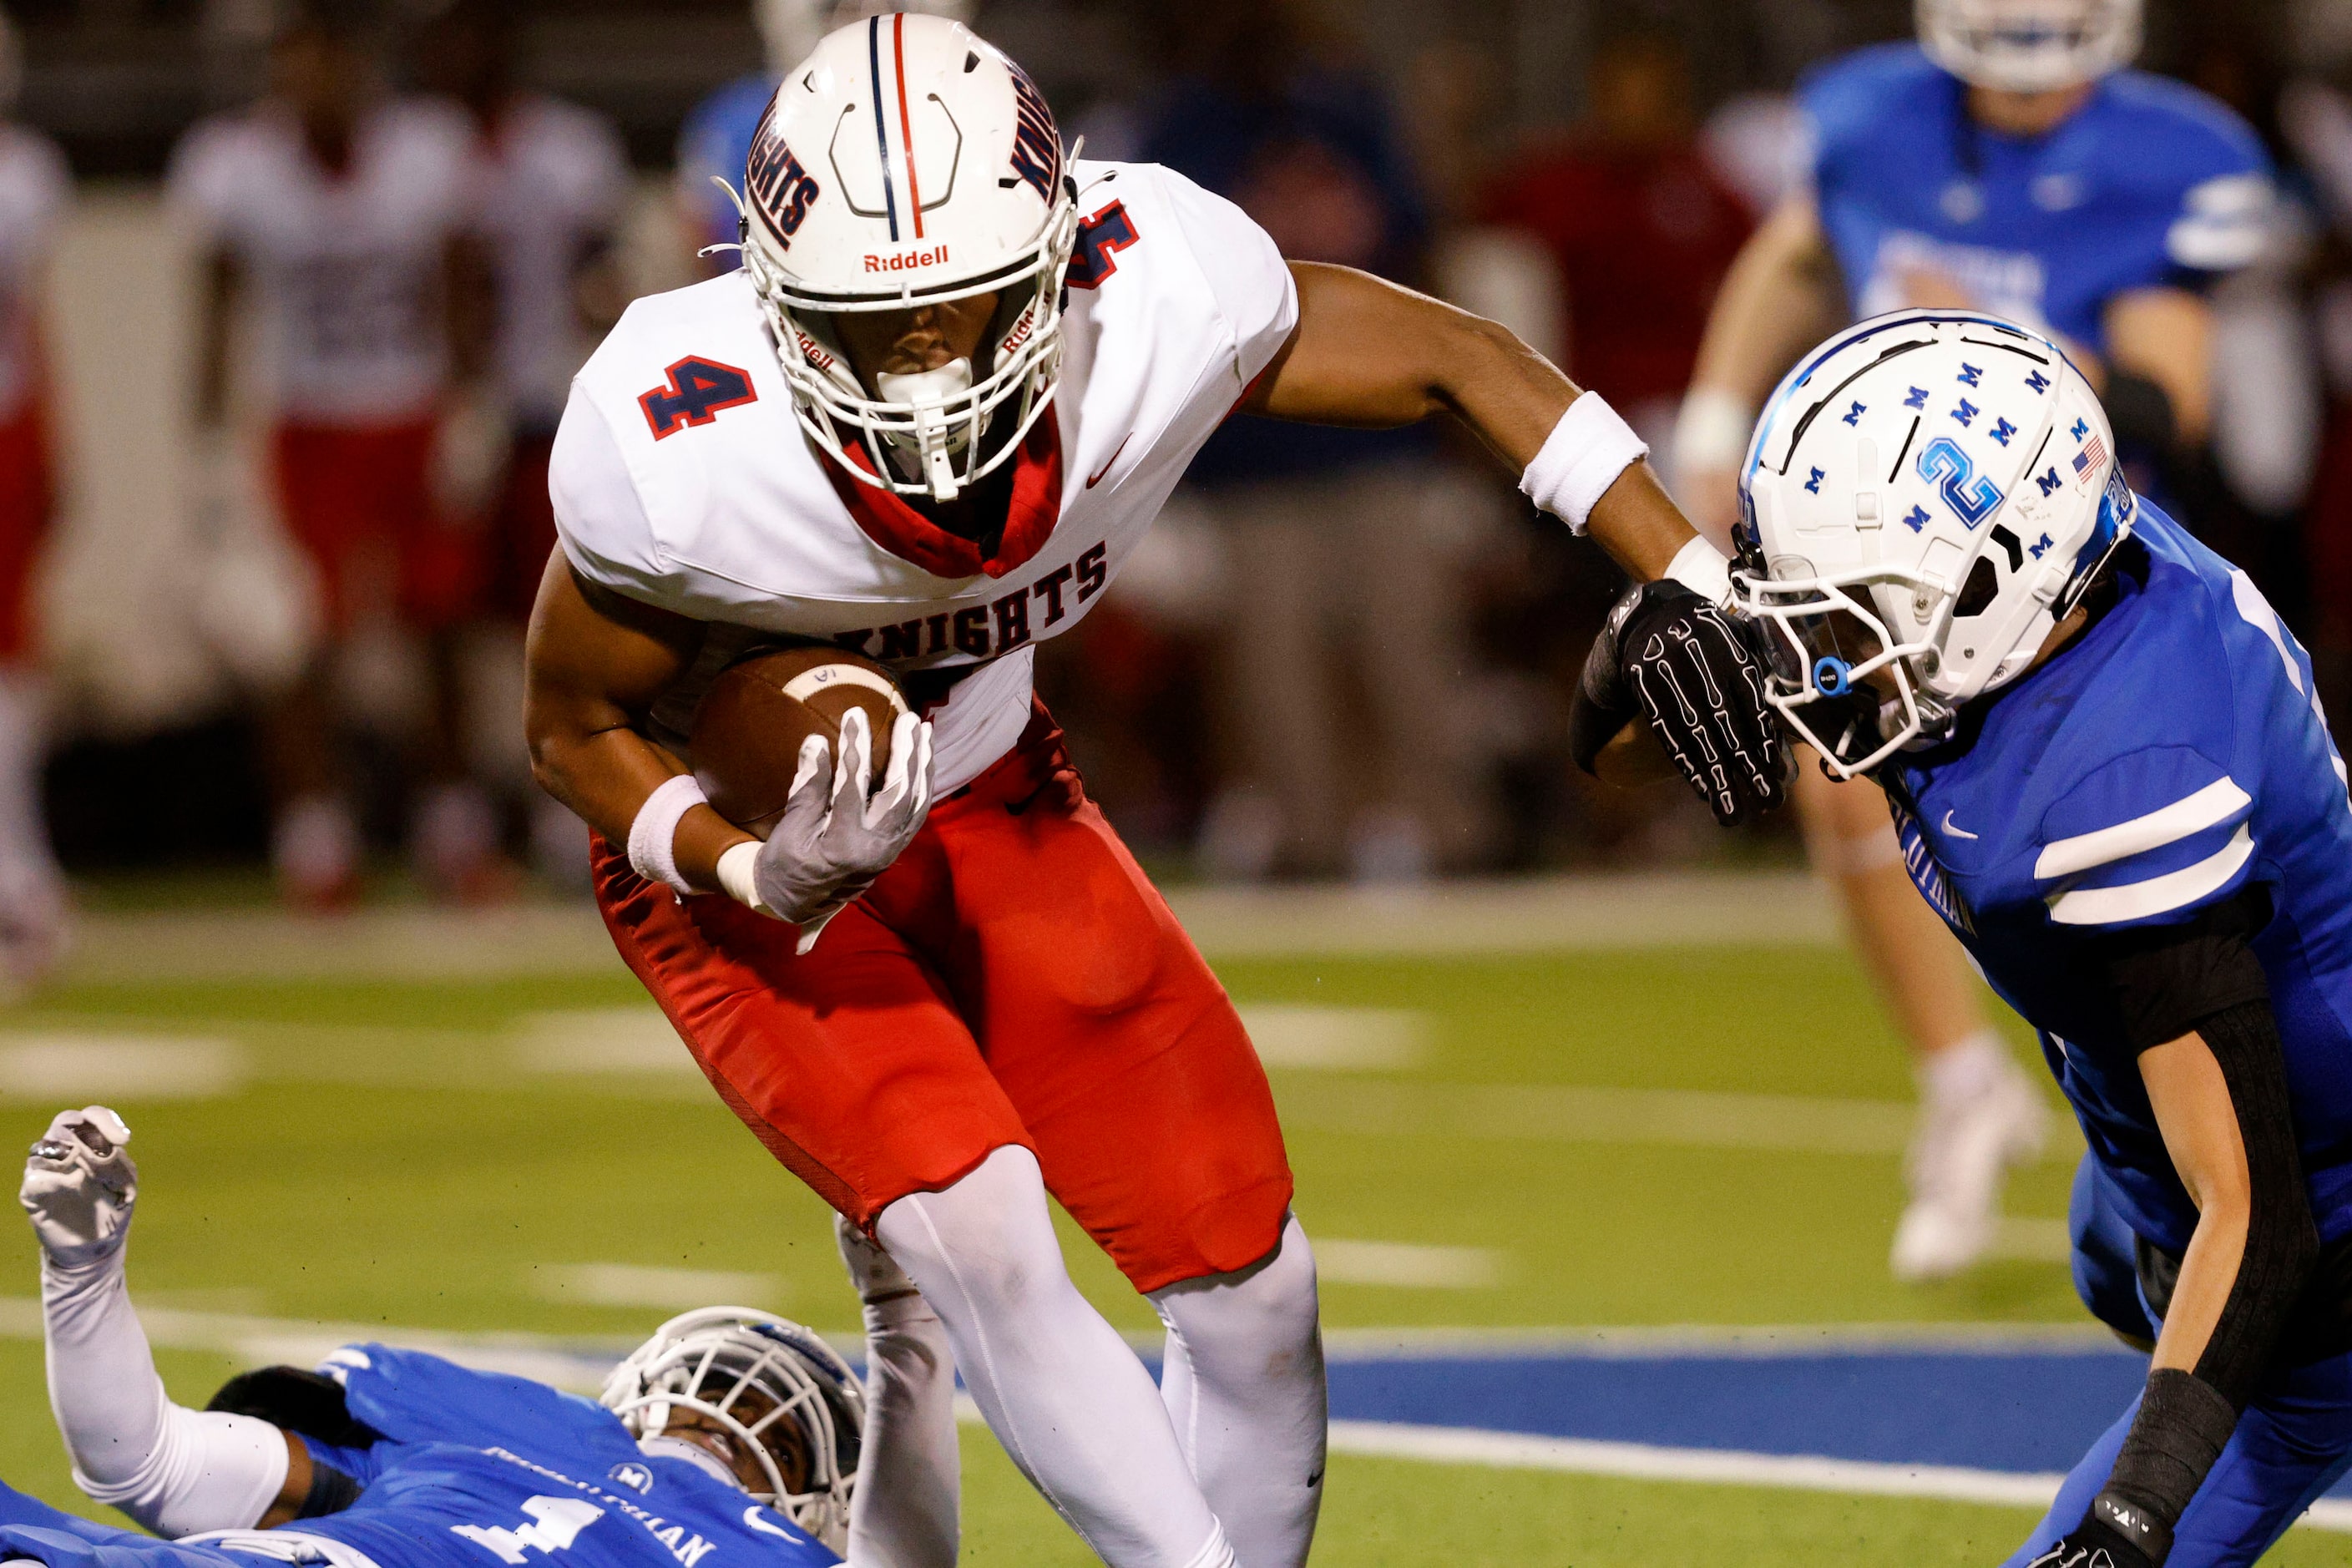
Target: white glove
{"x": 80, "y": 1186}
{"x": 834, "y": 839}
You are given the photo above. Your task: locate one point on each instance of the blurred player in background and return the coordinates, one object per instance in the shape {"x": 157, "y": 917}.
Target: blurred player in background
{"x": 1341, "y": 538}
{"x": 717, "y": 136}
{"x": 2112, "y": 780}
{"x": 335, "y": 213}
{"x": 929, "y": 419}
{"x": 551, "y": 190}
{"x": 2009, "y": 163}
{"x": 1635, "y": 216}
{"x": 34, "y": 189}
{"x": 728, "y": 1430}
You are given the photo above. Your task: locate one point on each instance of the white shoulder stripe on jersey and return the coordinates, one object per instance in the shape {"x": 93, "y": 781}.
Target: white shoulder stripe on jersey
{"x": 2157, "y": 895}
{"x": 2209, "y": 807}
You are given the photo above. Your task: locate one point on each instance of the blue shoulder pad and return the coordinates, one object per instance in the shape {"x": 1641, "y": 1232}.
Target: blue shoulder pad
{"x": 1848, "y": 100}
{"x": 412, "y": 1397}
{"x": 2148, "y": 838}
{"x": 2203, "y": 163}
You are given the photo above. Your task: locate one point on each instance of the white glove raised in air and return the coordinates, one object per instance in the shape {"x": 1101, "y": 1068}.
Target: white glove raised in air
{"x": 835, "y": 839}
{"x": 80, "y": 1186}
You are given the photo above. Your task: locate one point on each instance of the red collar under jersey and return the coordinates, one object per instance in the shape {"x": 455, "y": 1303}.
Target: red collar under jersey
{"x": 1036, "y": 507}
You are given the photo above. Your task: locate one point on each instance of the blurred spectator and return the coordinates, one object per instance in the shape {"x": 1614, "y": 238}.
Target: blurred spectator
{"x": 716, "y": 141}
{"x": 335, "y": 214}
{"x": 551, "y": 185}
{"x": 1337, "y": 540}
{"x": 2315, "y": 115}
{"x": 1640, "y": 225}
{"x": 34, "y": 189}
{"x": 1757, "y": 141}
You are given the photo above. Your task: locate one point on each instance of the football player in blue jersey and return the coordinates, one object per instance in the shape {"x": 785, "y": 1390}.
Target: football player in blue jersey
{"x": 2005, "y": 163}
{"x": 731, "y": 1436}
{"x": 2110, "y": 776}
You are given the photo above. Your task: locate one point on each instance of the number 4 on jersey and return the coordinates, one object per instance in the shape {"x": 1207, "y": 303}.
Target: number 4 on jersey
{"x": 698, "y": 391}
{"x": 556, "y": 1522}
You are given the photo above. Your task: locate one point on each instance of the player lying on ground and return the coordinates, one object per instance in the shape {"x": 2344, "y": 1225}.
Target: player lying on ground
{"x": 731, "y": 1436}
{"x": 930, "y": 418}
{"x": 2110, "y": 777}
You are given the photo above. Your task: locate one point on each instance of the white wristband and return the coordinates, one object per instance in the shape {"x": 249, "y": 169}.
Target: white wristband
{"x": 1700, "y": 567}
{"x": 735, "y": 877}
{"x": 653, "y": 836}
{"x": 1585, "y": 453}
{"x": 1711, "y": 432}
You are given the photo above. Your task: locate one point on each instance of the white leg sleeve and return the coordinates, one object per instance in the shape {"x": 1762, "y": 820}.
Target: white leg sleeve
{"x": 174, "y": 1470}
{"x": 1071, "y": 1403}
{"x": 905, "y": 1512}
{"x": 1243, "y": 1382}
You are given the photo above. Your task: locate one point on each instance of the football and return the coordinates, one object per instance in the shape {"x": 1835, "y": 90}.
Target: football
{"x": 749, "y": 729}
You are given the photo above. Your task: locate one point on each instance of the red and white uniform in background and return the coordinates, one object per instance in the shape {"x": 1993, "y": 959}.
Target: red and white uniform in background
{"x": 1016, "y": 919}
{"x": 35, "y": 187}
{"x": 345, "y": 271}
{"x": 551, "y": 183}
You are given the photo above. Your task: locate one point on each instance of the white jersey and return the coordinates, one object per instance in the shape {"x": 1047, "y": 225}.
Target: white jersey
{"x": 345, "y": 270}
{"x": 549, "y": 188}
{"x": 682, "y": 479}
{"x": 34, "y": 186}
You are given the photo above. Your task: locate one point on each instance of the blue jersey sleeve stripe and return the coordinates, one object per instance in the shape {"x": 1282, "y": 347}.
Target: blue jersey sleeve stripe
{"x": 2216, "y": 804}
{"x": 2157, "y": 895}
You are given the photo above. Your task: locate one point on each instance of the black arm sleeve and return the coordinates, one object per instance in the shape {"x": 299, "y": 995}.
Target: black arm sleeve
{"x": 2201, "y": 977}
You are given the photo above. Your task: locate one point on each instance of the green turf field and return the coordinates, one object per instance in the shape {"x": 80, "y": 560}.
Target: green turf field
{"x": 397, "y": 1154}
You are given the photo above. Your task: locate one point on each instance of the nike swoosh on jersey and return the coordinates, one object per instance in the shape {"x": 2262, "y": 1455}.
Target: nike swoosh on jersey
{"x": 1098, "y": 479}
{"x": 752, "y": 1515}
{"x": 1957, "y": 832}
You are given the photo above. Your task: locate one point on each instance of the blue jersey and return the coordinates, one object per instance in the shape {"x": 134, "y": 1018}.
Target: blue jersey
{"x": 474, "y": 1471}
{"x": 716, "y": 142}
{"x": 2149, "y": 182}
{"x": 2172, "y": 756}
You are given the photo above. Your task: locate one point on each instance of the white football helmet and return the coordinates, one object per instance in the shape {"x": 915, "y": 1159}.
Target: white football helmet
{"x": 1927, "y": 495}
{"x": 791, "y": 28}
{"x": 2029, "y": 45}
{"x": 746, "y": 1371}
{"x": 905, "y": 162}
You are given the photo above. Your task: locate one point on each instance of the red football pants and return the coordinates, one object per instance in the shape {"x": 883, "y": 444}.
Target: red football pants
{"x": 359, "y": 502}
{"x": 1014, "y": 978}
{"x": 26, "y": 499}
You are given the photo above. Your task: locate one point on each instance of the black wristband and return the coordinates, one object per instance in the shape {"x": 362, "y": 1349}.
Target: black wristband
{"x": 2183, "y": 1424}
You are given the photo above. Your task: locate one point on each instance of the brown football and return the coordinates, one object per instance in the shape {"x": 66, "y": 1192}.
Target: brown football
{"x": 749, "y": 730}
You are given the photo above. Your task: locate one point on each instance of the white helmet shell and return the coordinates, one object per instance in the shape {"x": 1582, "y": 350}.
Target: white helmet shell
{"x": 791, "y": 28}
{"x": 1927, "y": 495}
{"x": 2029, "y": 45}
{"x": 908, "y": 162}
{"x": 708, "y": 1359}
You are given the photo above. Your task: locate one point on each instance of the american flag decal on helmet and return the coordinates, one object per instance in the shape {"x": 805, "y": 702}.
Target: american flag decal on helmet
{"x": 2092, "y": 458}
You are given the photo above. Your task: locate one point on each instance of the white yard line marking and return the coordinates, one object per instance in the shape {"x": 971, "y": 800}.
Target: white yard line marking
{"x": 635, "y": 1285}
{"x": 82, "y": 1067}
{"x": 1403, "y": 1263}
{"x": 634, "y": 1039}
{"x": 1553, "y": 914}
{"x": 1722, "y": 1467}
{"x": 1337, "y": 1040}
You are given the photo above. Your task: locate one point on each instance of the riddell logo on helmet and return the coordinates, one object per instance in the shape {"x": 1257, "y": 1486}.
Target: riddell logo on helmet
{"x": 814, "y": 350}
{"x": 935, "y": 257}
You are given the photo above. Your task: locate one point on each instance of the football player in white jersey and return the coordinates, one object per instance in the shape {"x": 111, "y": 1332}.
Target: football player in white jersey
{"x": 930, "y": 420}
{"x": 334, "y": 213}
{"x": 34, "y": 190}
{"x": 550, "y": 190}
